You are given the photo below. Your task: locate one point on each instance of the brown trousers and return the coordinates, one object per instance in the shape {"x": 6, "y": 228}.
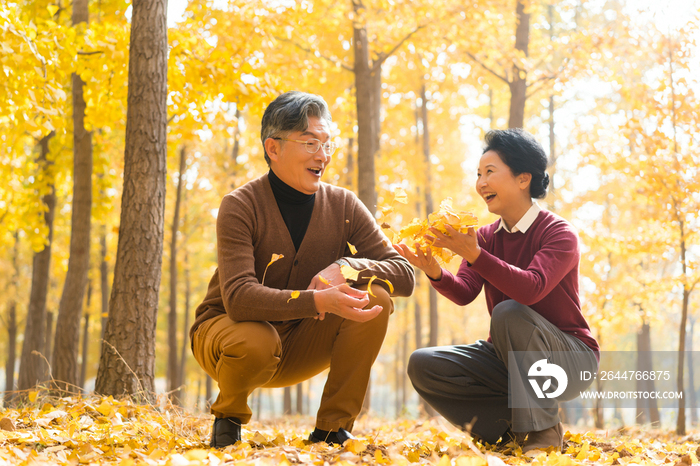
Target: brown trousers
{"x": 242, "y": 356}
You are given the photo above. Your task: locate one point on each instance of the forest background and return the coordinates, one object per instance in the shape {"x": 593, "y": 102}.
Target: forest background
{"x": 608, "y": 88}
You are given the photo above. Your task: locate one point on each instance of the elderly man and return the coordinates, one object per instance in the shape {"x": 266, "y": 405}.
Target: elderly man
{"x": 275, "y": 323}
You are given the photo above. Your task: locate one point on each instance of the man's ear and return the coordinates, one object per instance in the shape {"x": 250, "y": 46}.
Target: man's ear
{"x": 272, "y": 147}
{"x": 524, "y": 180}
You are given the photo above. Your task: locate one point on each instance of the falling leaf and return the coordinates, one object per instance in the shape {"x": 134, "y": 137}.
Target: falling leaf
{"x": 353, "y": 249}
{"x": 275, "y": 258}
{"x": 400, "y": 196}
{"x": 295, "y": 295}
{"x": 349, "y": 273}
{"x": 324, "y": 280}
{"x": 373, "y": 278}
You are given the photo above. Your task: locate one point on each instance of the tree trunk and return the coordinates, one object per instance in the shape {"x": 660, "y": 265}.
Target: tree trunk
{"x": 432, "y": 294}
{"x": 104, "y": 282}
{"x": 691, "y": 376}
{"x": 185, "y": 328}
{"x": 364, "y": 96}
{"x": 680, "y": 424}
{"x": 173, "y": 348}
{"x": 86, "y": 346}
{"x": 12, "y": 324}
{"x": 67, "y": 340}
{"x": 350, "y": 165}
{"x": 48, "y": 346}
{"x": 647, "y": 410}
{"x": 127, "y": 363}
{"x": 518, "y": 83}
{"x": 32, "y": 367}
{"x": 287, "y": 405}
{"x": 209, "y": 389}
{"x": 300, "y": 398}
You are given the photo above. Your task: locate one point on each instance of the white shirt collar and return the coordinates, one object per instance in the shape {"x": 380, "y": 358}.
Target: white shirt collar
{"x": 525, "y": 221}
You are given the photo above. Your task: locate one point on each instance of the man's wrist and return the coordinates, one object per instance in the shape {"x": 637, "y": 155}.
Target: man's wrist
{"x": 341, "y": 262}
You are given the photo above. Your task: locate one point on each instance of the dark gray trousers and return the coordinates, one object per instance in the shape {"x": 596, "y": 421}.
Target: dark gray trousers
{"x": 468, "y": 383}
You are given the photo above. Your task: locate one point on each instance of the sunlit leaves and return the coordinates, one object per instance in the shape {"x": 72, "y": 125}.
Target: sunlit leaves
{"x": 417, "y": 233}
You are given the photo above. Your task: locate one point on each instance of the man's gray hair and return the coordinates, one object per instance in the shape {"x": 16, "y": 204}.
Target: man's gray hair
{"x": 290, "y": 112}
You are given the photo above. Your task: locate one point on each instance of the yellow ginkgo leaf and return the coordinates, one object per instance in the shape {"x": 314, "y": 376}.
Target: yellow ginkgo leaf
{"x": 373, "y": 278}
{"x": 295, "y": 295}
{"x": 353, "y": 249}
{"x": 324, "y": 280}
{"x": 400, "y": 196}
{"x": 349, "y": 273}
{"x": 275, "y": 258}
{"x": 355, "y": 446}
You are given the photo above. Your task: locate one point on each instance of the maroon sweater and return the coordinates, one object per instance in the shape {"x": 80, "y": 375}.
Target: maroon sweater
{"x": 538, "y": 268}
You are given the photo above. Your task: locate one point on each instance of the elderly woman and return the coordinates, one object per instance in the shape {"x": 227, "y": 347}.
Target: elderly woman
{"x": 527, "y": 262}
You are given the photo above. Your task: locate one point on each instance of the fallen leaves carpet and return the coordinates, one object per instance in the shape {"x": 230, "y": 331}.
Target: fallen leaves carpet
{"x": 105, "y": 431}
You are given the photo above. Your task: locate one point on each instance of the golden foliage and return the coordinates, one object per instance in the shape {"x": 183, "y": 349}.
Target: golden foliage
{"x": 105, "y": 431}
{"x": 417, "y": 232}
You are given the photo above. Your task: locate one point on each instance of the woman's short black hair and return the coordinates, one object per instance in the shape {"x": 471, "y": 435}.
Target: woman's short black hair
{"x": 523, "y": 154}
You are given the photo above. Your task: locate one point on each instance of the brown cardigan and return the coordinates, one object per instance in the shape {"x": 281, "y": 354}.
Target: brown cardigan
{"x": 250, "y": 229}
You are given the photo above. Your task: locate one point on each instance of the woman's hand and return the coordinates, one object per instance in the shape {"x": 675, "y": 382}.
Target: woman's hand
{"x": 422, "y": 260}
{"x": 463, "y": 244}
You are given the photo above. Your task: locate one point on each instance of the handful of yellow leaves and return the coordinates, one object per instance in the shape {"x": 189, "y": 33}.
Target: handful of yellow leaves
{"x": 414, "y": 233}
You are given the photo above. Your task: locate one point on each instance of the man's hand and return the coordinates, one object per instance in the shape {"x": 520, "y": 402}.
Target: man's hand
{"x": 345, "y": 301}
{"x": 327, "y": 278}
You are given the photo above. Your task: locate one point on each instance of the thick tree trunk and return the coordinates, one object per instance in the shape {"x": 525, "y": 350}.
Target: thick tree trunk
{"x": 104, "y": 281}
{"x": 518, "y": 82}
{"x": 173, "y": 348}
{"x": 364, "y": 98}
{"x": 33, "y": 368}
{"x": 127, "y": 363}
{"x": 67, "y": 340}
{"x": 12, "y": 324}
{"x": 432, "y": 294}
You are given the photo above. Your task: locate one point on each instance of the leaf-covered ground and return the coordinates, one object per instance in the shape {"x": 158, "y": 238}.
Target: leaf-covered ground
{"x": 112, "y": 432}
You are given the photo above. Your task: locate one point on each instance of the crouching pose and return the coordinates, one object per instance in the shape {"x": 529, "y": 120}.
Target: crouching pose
{"x": 275, "y": 323}
{"x": 527, "y": 262}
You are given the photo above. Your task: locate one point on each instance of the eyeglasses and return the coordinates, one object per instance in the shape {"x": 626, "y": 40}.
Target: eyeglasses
{"x": 313, "y": 145}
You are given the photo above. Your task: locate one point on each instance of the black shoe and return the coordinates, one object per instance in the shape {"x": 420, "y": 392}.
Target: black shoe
{"x": 226, "y": 431}
{"x": 339, "y": 437}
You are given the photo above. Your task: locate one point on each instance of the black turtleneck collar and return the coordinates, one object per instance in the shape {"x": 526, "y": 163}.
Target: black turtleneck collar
{"x": 285, "y": 194}
{"x": 296, "y": 207}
